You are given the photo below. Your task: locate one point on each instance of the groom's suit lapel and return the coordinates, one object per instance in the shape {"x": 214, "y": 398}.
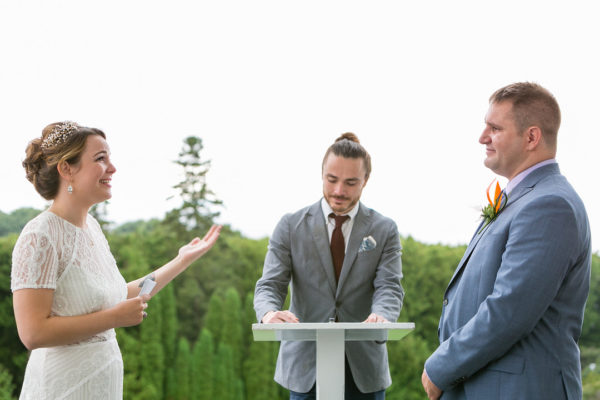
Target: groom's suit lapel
{"x": 360, "y": 229}
{"x": 316, "y": 222}
{"x": 522, "y": 188}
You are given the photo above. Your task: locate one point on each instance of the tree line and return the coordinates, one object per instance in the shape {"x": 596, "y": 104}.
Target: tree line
{"x": 196, "y": 342}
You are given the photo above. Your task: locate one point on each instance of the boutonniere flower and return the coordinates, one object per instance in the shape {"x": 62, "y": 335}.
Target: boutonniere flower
{"x": 491, "y": 211}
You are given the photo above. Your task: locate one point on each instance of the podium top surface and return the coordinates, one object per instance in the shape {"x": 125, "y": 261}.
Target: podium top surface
{"x": 352, "y": 331}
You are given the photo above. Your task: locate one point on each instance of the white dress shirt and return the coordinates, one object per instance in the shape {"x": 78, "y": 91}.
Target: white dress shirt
{"x": 517, "y": 179}
{"x": 346, "y": 226}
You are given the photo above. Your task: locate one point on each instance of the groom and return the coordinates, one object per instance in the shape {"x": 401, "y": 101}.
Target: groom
{"x": 513, "y": 311}
{"x": 343, "y": 262}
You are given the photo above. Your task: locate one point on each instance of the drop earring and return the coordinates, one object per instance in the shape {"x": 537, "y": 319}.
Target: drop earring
{"x": 70, "y": 189}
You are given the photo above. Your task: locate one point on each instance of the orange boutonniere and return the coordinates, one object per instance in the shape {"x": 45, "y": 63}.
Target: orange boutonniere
{"x": 491, "y": 211}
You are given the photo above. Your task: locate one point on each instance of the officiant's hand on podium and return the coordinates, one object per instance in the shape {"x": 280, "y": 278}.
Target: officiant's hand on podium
{"x": 375, "y": 318}
{"x": 279, "y": 316}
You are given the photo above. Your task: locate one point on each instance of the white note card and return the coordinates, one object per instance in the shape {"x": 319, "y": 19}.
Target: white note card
{"x": 147, "y": 286}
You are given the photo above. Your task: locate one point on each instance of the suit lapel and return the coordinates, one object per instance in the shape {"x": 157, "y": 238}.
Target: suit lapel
{"x": 360, "y": 229}
{"x": 316, "y": 221}
{"x": 519, "y": 191}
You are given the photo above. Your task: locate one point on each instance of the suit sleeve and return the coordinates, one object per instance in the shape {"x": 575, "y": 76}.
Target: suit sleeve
{"x": 389, "y": 294}
{"x": 271, "y": 289}
{"x": 542, "y": 244}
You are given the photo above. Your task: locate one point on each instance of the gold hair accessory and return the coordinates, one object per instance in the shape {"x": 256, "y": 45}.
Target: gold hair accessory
{"x": 60, "y": 134}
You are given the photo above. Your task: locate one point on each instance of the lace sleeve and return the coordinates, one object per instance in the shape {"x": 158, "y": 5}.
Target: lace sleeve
{"x": 34, "y": 262}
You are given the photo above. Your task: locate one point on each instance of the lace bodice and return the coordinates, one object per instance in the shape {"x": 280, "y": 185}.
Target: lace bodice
{"x": 52, "y": 253}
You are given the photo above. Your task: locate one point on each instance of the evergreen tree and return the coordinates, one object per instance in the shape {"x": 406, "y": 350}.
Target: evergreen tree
{"x": 152, "y": 359}
{"x": 259, "y": 369}
{"x": 170, "y": 384}
{"x": 13, "y": 355}
{"x": 16, "y": 220}
{"x": 198, "y": 201}
{"x": 407, "y": 358}
{"x": 238, "y": 389}
{"x": 148, "y": 391}
{"x": 183, "y": 366}
{"x": 232, "y": 328}
{"x": 192, "y": 304}
{"x": 259, "y": 360}
{"x": 169, "y": 324}
{"x": 249, "y": 318}
{"x": 169, "y": 337}
{"x": 202, "y": 367}
{"x": 213, "y": 320}
{"x": 131, "y": 348}
{"x": 100, "y": 212}
{"x": 590, "y": 335}
{"x": 224, "y": 386}
{"x": 6, "y": 384}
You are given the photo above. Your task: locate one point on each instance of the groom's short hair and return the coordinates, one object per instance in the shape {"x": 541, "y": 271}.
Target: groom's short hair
{"x": 532, "y": 105}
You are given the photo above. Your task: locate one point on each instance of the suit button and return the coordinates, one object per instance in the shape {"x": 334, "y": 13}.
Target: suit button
{"x": 460, "y": 380}
{"x": 445, "y": 302}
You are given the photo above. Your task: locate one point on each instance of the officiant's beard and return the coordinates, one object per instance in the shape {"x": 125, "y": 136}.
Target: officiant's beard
{"x": 341, "y": 204}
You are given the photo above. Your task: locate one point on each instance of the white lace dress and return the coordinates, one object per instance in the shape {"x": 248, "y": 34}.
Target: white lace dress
{"x": 51, "y": 253}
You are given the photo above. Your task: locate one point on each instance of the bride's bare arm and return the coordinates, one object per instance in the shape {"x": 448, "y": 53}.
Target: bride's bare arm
{"x": 38, "y": 328}
{"x": 187, "y": 255}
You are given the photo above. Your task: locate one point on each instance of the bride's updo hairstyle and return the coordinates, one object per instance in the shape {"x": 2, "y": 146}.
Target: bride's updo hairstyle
{"x": 348, "y": 146}
{"x": 60, "y": 141}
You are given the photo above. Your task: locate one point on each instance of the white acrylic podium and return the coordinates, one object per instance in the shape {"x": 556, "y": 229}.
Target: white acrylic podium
{"x": 330, "y": 338}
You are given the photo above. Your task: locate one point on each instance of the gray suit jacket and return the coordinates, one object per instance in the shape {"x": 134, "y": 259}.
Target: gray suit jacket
{"x": 369, "y": 282}
{"x": 513, "y": 310}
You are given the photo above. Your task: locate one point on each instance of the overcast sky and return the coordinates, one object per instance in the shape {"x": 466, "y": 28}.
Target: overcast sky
{"x": 269, "y": 85}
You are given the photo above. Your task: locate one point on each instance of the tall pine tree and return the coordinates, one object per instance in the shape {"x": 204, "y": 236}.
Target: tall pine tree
{"x": 224, "y": 387}
{"x": 213, "y": 319}
{"x": 152, "y": 359}
{"x": 198, "y": 201}
{"x": 232, "y": 328}
{"x": 169, "y": 332}
{"x": 202, "y": 367}
{"x": 183, "y": 366}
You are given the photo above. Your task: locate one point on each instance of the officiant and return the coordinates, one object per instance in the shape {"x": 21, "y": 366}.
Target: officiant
{"x": 343, "y": 260}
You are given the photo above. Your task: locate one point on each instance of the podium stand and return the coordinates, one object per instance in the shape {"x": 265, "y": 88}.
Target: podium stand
{"x": 330, "y": 338}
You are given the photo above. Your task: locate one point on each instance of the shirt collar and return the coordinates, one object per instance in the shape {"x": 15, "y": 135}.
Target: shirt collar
{"x": 327, "y": 210}
{"x": 519, "y": 178}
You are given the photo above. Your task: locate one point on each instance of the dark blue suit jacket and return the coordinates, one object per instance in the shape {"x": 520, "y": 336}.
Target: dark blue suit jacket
{"x": 513, "y": 310}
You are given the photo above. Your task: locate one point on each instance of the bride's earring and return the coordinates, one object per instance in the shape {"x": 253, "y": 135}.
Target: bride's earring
{"x": 70, "y": 189}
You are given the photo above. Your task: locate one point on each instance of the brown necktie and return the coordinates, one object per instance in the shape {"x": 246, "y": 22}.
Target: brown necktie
{"x": 338, "y": 247}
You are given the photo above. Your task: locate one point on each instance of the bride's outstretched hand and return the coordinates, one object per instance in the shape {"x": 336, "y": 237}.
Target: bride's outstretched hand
{"x": 198, "y": 247}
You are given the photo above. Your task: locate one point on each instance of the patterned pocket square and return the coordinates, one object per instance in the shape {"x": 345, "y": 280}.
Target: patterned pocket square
{"x": 368, "y": 243}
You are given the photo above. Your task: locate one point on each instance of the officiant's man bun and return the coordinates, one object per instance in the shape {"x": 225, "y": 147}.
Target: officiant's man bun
{"x": 348, "y": 146}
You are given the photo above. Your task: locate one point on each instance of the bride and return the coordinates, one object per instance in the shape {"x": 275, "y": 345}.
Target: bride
{"x": 68, "y": 293}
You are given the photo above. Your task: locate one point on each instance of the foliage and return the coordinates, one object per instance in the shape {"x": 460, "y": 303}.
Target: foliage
{"x": 13, "y": 355}
{"x": 591, "y": 325}
{"x": 210, "y": 306}
{"x": 183, "y": 368}
{"x": 152, "y": 364}
{"x": 16, "y": 220}
{"x": 232, "y": 328}
{"x": 6, "y": 385}
{"x": 591, "y": 382}
{"x": 100, "y": 213}
{"x": 202, "y": 371}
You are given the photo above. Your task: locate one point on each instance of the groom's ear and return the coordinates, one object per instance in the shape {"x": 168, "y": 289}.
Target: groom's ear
{"x": 533, "y": 137}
